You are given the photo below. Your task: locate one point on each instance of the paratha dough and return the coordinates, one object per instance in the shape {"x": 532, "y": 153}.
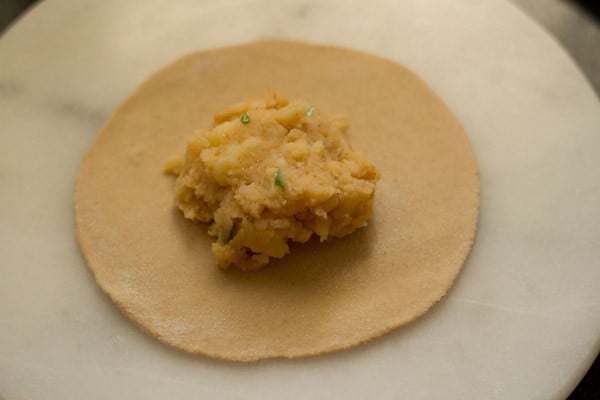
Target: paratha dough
{"x": 158, "y": 269}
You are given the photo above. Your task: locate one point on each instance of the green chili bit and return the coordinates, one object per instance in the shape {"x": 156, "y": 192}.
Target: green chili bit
{"x": 245, "y": 118}
{"x": 228, "y": 234}
{"x": 279, "y": 179}
{"x": 310, "y": 111}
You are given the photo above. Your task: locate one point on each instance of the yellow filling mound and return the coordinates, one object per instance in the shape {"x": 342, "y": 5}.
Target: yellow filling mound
{"x": 269, "y": 172}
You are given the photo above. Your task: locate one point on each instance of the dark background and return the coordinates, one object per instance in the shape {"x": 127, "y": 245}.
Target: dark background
{"x": 575, "y": 24}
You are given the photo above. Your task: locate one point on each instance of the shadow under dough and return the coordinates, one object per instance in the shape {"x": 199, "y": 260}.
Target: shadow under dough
{"x": 312, "y": 264}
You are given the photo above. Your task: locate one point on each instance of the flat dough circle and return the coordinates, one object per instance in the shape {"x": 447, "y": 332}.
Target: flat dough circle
{"x": 158, "y": 269}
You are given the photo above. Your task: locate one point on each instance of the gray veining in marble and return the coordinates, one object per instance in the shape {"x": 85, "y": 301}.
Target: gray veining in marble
{"x": 76, "y": 110}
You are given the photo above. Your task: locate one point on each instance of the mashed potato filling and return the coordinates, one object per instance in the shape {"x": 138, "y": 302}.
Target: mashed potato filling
{"x": 271, "y": 171}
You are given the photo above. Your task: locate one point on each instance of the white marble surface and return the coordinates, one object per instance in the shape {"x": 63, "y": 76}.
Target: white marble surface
{"x": 522, "y": 322}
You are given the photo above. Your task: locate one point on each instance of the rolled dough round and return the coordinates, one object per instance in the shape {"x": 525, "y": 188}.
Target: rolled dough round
{"x": 158, "y": 269}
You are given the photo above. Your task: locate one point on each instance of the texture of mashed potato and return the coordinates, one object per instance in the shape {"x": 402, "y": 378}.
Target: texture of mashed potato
{"x": 269, "y": 172}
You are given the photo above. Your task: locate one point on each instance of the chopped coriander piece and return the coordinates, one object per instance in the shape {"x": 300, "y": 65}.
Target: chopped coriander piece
{"x": 310, "y": 111}
{"x": 279, "y": 179}
{"x": 245, "y": 118}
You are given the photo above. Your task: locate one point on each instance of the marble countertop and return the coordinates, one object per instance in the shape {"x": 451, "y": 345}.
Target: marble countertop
{"x": 523, "y": 320}
{"x": 575, "y": 25}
